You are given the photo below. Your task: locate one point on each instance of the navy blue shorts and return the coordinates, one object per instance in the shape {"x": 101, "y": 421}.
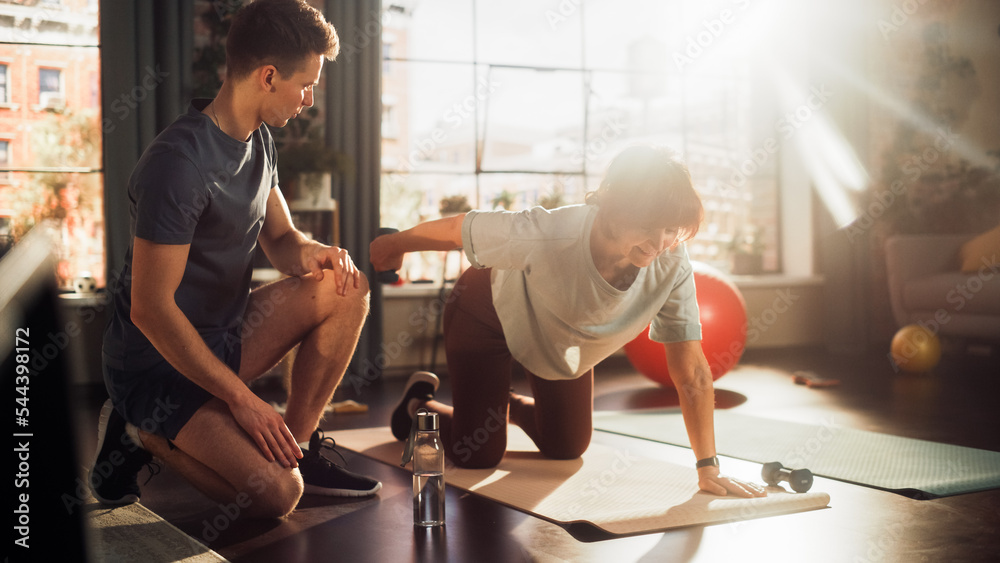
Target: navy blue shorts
{"x": 158, "y": 398}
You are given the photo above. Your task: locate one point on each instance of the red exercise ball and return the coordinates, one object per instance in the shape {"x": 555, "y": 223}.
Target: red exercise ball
{"x": 723, "y": 315}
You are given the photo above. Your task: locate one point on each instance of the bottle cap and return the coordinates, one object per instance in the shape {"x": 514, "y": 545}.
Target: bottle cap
{"x": 427, "y": 420}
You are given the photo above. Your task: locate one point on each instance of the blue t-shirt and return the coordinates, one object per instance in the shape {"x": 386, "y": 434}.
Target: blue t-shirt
{"x": 195, "y": 185}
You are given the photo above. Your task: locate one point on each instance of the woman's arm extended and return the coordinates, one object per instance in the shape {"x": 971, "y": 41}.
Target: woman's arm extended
{"x": 691, "y": 374}
{"x": 387, "y": 251}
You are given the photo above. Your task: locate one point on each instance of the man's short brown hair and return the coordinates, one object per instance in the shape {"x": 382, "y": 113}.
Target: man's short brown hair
{"x": 282, "y": 33}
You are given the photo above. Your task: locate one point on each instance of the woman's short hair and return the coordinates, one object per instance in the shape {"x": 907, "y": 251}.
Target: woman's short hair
{"x": 282, "y": 33}
{"x": 650, "y": 186}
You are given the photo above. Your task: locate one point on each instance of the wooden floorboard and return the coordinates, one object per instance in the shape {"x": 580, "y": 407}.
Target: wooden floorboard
{"x": 957, "y": 404}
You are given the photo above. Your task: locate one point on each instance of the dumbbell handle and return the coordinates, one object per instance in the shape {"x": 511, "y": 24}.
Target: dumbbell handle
{"x": 388, "y": 276}
{"x": 800, "y": 480}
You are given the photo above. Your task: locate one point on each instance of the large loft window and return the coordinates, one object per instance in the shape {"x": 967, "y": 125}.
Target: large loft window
{"x": 522, "y": 103}
{"x": 50, "y": 126}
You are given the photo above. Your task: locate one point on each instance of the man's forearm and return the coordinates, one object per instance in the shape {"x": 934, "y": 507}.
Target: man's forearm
{"x": 285, "y": 253}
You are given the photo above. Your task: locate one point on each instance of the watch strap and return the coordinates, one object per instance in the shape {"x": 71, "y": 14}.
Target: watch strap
{"x": 707, "y": 462}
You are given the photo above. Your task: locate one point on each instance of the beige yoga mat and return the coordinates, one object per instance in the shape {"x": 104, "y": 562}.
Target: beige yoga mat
{"x": 617, "y": 490}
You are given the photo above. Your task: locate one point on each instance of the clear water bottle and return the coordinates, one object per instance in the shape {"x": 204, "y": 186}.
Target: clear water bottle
{"x": 428, "y": 471}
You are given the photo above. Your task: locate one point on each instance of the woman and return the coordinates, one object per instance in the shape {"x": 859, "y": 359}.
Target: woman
{"x": 557, "y": 292}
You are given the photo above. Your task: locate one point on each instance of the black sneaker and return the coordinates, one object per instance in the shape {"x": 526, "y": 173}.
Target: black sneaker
{"x": 324, "y": 477}
{"x": 421, "y": 385}
{"x": 112, "y": 478}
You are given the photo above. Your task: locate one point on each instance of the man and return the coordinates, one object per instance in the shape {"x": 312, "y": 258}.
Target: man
{"x": 186, "y": 334}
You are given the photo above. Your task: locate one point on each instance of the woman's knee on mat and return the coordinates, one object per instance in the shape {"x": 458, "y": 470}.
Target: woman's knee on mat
{"x": 564, "y": 446}
{"x": 472, "y": 453}
{"x": 481, "y": 459}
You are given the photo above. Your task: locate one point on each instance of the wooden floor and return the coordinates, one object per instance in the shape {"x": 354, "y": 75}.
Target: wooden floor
{"x": 959, "y": 404}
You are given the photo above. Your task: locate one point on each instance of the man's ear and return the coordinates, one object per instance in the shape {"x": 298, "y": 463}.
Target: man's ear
{"x": 266, "y": 76}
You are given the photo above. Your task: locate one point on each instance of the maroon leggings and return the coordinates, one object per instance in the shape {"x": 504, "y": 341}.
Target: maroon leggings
{"x": 558, "y": 417}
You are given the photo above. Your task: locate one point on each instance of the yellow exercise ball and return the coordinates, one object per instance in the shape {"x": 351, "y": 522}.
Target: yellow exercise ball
{"x": 915, "y": 349}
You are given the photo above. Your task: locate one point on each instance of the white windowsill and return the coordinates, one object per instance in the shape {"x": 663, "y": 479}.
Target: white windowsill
{"x": 776, "y": 280}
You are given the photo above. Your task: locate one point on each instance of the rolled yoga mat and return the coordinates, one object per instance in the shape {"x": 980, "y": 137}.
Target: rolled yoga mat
{"x": 615, "y": 490}
{"x": 914, "y": 468}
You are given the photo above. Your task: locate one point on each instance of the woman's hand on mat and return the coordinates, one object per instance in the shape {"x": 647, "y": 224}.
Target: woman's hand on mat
{"x": 268, "y": 430}
{"x": 711, "y": 481}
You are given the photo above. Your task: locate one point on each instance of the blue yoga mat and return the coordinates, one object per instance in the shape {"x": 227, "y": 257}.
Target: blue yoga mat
{"x": 914, "y": 468}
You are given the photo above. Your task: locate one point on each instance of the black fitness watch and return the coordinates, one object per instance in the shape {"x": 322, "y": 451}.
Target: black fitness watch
{"x": 707, "y": 462}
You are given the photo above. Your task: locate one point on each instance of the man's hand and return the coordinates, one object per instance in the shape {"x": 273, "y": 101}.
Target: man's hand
{"x": 267, "y": 429}
{"x": 316, "y": 258}
{"x": 709, "y": 480}
{"x": 294, "y": 254}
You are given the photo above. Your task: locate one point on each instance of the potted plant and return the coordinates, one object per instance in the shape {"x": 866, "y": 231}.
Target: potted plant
{"x": 747, "y": 251}
{"x": 504, "y": 200}
{"x": 453, "y": 205}
{"x": 306, "y": 166}
{"x": 552, "y": 200}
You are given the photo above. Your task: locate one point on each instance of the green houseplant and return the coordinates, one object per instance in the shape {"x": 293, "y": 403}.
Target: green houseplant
{"x": 747, "y": 251}
{"x": 453, "y": 205}
{"x": 504, "y": 200}
{"x": 552, "y": 200}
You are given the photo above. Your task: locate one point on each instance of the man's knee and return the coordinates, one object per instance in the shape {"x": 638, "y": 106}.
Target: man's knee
{"x": 276, "y": 494}
{"x": 363, "y": 288}
{"x": 354, "y": 298}
{"x": 364, "y": 293}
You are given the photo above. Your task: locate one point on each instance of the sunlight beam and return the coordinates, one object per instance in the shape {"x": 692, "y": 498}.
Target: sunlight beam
{"x": 970, "y": 152}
